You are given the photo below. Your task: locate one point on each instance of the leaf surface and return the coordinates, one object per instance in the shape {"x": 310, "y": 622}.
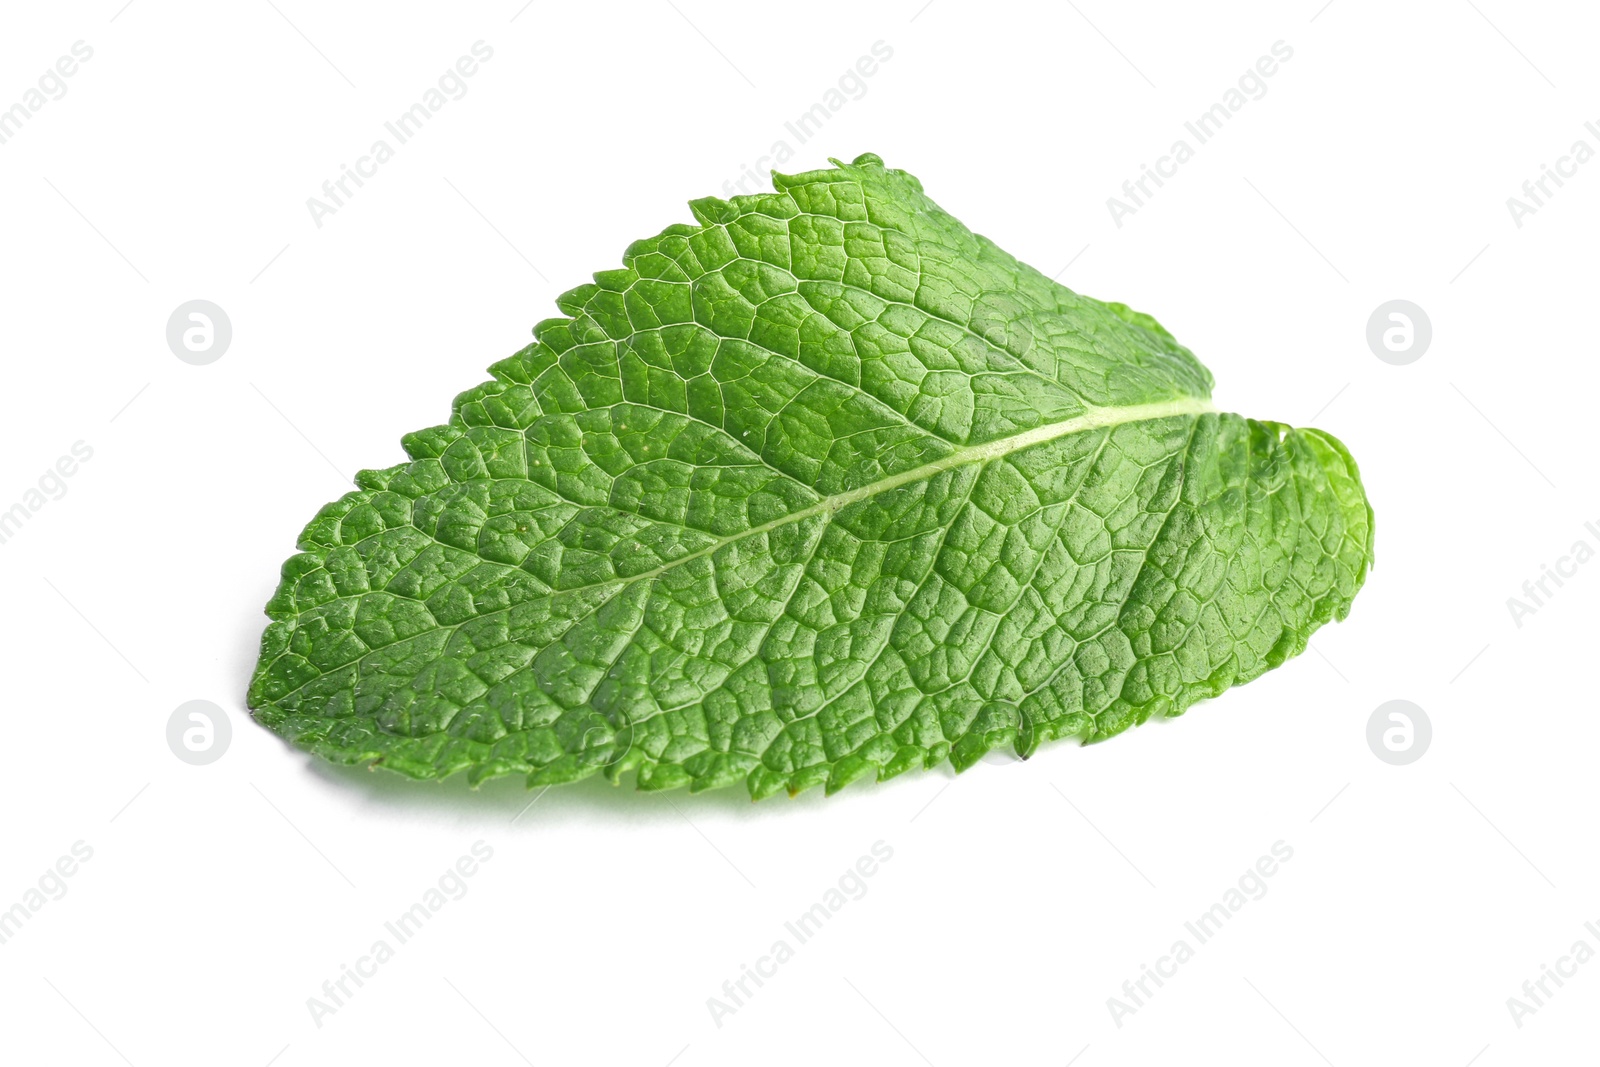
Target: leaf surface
{"x": 823, "y": 486}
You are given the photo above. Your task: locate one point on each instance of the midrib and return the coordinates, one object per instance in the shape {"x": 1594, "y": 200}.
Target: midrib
{"x": 1004, "y": 446}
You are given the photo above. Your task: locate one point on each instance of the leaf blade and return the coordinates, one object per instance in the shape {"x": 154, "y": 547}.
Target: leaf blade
{"x": 824, "y": 487}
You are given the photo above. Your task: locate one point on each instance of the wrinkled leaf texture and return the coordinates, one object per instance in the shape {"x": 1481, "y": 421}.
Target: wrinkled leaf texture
{"x": 821, "y": 486}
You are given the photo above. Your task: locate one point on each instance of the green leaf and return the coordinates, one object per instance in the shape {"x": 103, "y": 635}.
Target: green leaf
{"x": 823, "y": 487}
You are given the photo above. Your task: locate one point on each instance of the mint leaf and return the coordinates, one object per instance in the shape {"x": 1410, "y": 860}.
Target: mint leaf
{"x": 823, "y": 486}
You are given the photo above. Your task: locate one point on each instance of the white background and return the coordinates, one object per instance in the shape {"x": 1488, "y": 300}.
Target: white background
{"x": 1019, "y": 897}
